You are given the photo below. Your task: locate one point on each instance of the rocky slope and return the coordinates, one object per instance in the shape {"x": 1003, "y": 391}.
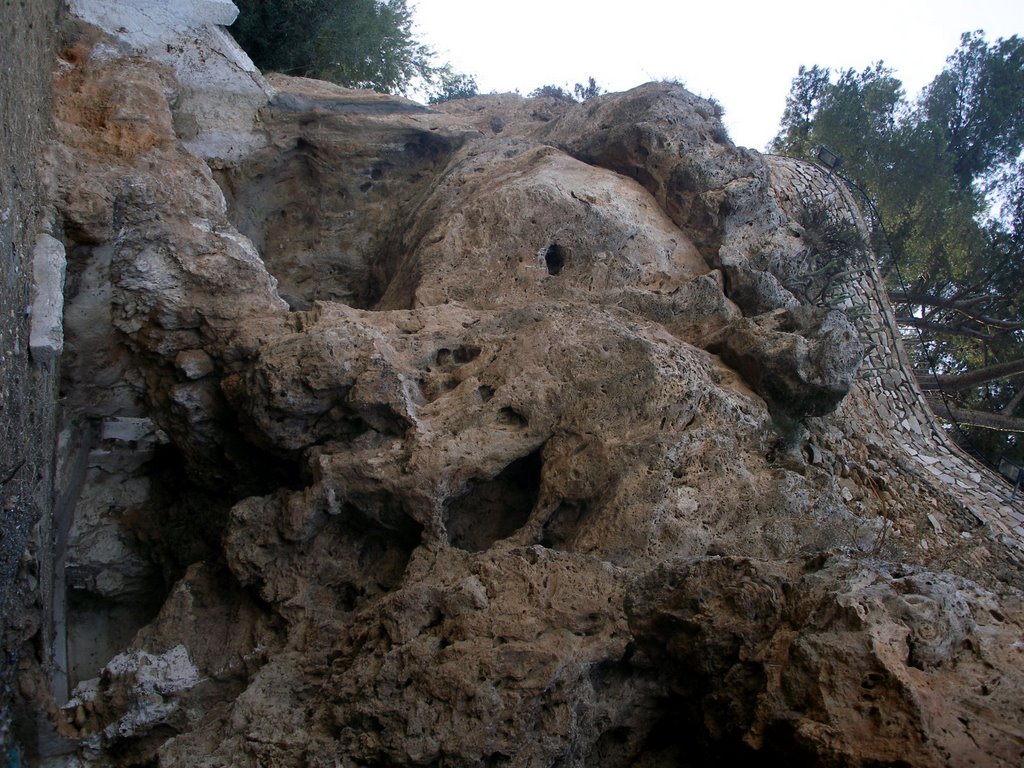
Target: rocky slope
{"x": 511, "y": 432}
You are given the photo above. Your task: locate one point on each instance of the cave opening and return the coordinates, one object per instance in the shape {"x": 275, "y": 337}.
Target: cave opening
{"x": 491, "y": 510}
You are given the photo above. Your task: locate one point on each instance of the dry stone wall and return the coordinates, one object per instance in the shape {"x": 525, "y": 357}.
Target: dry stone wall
{"x": 886, "y": 383}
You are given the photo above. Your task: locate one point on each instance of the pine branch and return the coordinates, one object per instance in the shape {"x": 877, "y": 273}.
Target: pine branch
{"x": 971, "y": 378}
{"x": 945, "y": 330}
{"x": 983, "y": 419}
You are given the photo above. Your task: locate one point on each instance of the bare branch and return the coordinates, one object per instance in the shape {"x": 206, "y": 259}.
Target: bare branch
{"x": 945, "y": 330}
{"x": 983, "y": 419}
{"x": 972, "y": 378}
{"x": 1015, "y": 401}
{"x": 964, "y": 306}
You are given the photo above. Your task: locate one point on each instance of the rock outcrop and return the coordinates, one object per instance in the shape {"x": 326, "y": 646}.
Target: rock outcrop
{"x": 506, "y": 432}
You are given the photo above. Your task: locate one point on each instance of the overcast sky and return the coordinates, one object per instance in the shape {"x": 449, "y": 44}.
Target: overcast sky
{"x": 743, "y": 53}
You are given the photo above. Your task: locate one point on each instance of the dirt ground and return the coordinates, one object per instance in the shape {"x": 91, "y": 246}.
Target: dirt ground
{"x": 27, "y": 390}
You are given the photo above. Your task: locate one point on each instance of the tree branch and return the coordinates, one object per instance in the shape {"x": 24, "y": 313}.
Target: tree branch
{"x": 963, "y": 306}
{"x": 947, "y": 330}
{"x": 972, "y": 378}
{"x": 1011, "y": 406}
{"x": 983, "y": 419}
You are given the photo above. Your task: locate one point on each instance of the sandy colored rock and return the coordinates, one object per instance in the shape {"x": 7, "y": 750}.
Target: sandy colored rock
{"x": 836, "y": 661}
{"x": 503, "y": 433}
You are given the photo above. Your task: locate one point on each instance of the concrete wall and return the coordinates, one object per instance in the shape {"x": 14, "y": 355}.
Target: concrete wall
{"x": 28, "y": 371}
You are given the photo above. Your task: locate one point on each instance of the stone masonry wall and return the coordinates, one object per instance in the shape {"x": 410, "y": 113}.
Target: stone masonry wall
{"x": 886, "y": 383}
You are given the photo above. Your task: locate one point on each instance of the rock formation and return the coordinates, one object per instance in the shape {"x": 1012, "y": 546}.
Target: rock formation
{"x": 506, "y": 432}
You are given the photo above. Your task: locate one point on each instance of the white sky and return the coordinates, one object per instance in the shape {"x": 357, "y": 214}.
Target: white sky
{"x": 744, "y": 53}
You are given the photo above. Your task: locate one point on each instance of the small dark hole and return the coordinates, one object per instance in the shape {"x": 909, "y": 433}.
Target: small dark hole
{"x": 465, "y": 354}
{"x": 365, "y": 186}
{"x": 871, "y": 680}
{"x": 512, "y": 417}
{"x": 376, "y": 173}
{"x": 554, "y": 257}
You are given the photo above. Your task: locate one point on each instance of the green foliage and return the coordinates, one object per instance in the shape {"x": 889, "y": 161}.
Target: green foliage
{"x": 453, "y": 85}
{"x": 932, "y": 168}
{"x": 357, "y": 43}
{"x": 550, "y": 91}
{"x": 977, "y": 106}
{"x": 586, "y": 92}
{"x": 580, "y": 92}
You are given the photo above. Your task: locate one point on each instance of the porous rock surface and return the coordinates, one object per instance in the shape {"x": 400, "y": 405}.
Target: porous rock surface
{"x": 496, "y": 434}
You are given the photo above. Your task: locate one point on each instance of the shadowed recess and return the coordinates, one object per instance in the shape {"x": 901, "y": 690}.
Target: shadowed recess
{"x": 492, "y": 510}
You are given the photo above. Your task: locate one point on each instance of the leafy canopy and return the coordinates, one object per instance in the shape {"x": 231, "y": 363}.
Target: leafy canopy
{"x": 453, "y": 85}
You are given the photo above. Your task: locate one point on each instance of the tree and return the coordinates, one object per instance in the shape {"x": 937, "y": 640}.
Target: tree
{"x": 932, "y": 169}
{"x": 453, "y": 85}
{"x": 552, "y": 92}
{"x": 357, "y": 43}
{"x": 580, "y": 92}
{"x": 586, "y": 92}
{"x": 975, "y": 105}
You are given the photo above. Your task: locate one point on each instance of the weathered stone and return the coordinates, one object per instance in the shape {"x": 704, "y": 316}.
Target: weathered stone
{"x": 479, "y": 493}
{"x": 46, "y": 335}
{"x": 219, "y": 90}
{"x": 807, "y": 646}
{"x": 801, "y": 360}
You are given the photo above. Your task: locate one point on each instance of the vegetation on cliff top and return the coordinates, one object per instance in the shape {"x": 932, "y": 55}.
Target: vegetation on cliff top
{"x": 356, "y": 43}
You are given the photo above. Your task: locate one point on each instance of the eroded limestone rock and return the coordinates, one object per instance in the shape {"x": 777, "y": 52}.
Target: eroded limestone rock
{"x": 835, "y": 661}
{"x": 472, "y": 415}
{"x": 801, "y": 360}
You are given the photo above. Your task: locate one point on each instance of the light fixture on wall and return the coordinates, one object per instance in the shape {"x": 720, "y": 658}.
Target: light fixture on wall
{"x": 829, "y": 158}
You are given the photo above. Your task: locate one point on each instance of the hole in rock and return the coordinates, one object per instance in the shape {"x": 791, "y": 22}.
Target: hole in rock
{"x": 486, "y": 392}
{"x": 872, "y": 680}
{"x": 491, "y": 510}
{"x": 679, "y": 737}
{"x": 366, "y": 551}
{"x": 554, "y": 258}
{"x": 614, "y": 747}
{"x": 512, "y": 417}
{"x": 457, "y": 356}
{"x": 371, "y": 516}
{"x": 561, "y": 527}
